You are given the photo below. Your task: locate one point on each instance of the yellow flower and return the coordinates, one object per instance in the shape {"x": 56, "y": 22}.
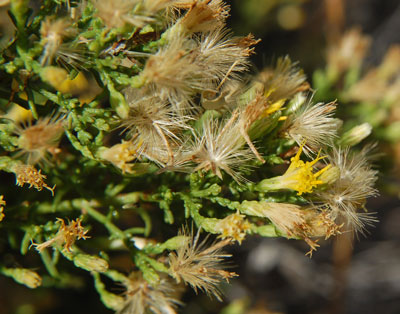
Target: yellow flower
{"x": 120, "y": 155}
{"x": 234, "y": 227}
{"x": 298, "y": 177}
{"x": 2, "y": 202}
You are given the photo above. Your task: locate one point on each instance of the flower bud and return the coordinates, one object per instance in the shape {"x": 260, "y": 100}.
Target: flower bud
{"x": 90, "y": 263}
{"x": 356, "y": 135}
{"x": 24, "y": 276}
{"x": 176, "y": 242}
{"x": 112, "y": 301}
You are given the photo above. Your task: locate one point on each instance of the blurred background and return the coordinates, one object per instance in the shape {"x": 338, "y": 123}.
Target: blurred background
{"x": 348, "y": 50}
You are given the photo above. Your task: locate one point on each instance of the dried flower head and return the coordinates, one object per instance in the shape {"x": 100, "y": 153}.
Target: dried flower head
{"x": 234, "y": 227}
{"x": 65, "y": 236}
{"x": 348, "y": 194}
{"x": 289, "y": 219}
{"x": 173, "y": 73}
{"x": 154, "y": 124}
{"x": 283, "y": 81}
{"x": 204, "y": 16}
{"x": 321, "y": 223}
{"x": 39, "y": 140}
{"x": 118, "y": 13}
{"x": 222, "y": 56}
{"x": 30, "y": 175}
{"x": 220, "y": 146}
{"x": 199, "y": 265}
{"x": 314, "y": 125}
{"x": 141, "y": 297}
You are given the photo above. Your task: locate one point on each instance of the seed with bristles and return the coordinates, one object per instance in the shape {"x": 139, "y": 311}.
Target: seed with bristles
{"x": 200, "y": 265}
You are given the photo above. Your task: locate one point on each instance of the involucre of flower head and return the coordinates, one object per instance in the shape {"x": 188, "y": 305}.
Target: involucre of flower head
{"x": 90, "y": 262}
{"x": 293, "y": 221}
{"x": 355, "y": 135}
{"x": 121, "y": 155}
{"x": 24, "y": 276}
{"x": 289, "y": 219}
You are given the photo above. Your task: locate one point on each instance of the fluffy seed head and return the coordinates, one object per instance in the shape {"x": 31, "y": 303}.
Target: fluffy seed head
{"x": 199, "y": 265}
{"x": 348, "y": 194}
{"x": 222, "y": 56}
{"x": 205, "y": 16}
{"x": 154, "y": 125}
{"x": 348, "y": 52}
{"x": 220, "y": 146}
{"x": 283, "y": 81}
{"x": 117, "y": 13}
{"x": 173, "y": 73}
{"x": 52, "y": 33}
{"x": 314, "y": 125}
{"x": 142, "y": 298}
{"x": 38, "y": 140}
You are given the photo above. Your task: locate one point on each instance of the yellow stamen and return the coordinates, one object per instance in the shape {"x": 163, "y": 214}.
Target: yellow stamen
{"x": 300, "y": 177}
